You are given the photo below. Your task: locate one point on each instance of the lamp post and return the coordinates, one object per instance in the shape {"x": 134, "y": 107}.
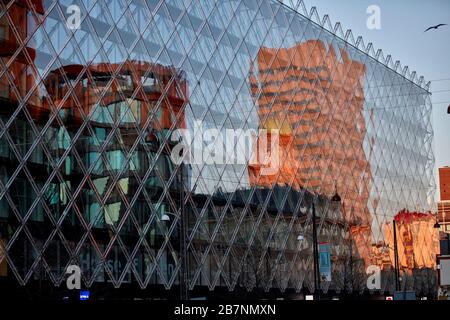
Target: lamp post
{"x": 317, "y": 286}
{"x": 184, "y": 291}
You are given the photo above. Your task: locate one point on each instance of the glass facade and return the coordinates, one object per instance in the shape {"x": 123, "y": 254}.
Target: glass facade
{"x": 90, "y": 117}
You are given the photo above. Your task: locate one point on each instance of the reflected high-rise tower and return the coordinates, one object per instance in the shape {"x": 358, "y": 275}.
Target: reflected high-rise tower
{"x": 314, "y": 96}
{"x": 317, "y": 106}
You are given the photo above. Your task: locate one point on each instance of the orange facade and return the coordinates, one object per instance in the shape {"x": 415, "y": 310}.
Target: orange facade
{"x": 444, "y": 183}
{"x": 98, "y": 84}
{"x": 315, "y": 99}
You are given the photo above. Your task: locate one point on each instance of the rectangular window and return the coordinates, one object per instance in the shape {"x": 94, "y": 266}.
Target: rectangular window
{"x": 94, "y": 157}
{"x": 116, "y": 159}
{"x": 148, "y": 83}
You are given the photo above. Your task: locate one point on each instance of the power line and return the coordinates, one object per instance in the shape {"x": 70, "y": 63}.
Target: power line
{"x": 438, "y": 91}
{"x": 438, "y": 80}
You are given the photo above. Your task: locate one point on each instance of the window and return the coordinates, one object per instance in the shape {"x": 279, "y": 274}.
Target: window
{"x": 148, "y": 83}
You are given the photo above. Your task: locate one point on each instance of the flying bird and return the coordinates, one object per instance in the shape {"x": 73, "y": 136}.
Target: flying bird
{"x": 436, "y": 27}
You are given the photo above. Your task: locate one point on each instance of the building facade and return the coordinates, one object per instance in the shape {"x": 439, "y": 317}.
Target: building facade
{"x": 444, "y": 209}
{"x": 93, "y": 113}
{"x": 444, "y": 203}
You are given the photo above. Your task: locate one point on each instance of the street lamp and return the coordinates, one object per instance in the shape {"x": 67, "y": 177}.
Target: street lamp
{"x": 448, "y": 110}
{"x": 437, "y": 225}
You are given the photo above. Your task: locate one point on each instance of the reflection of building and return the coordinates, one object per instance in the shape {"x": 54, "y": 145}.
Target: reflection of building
{"x": 142, "y": 96}
{"x": 298, "y": 96}
{"x": 104, "y": 127}
{"x": 444, "y": 209}
{"x": 17, "y": 79}
{"x": 317, "y": 106}
{"x": 275, "y": 242}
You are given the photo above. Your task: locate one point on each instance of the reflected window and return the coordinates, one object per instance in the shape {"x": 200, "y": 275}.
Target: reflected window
{"x": 93, "y": 212}
{"x": 25, "y": 196}
{"x": 102, "y": 115}
{"x": 94, "y": 157}
{"x": 116, "y": 159}
{"x": 148, "y": 83}
{"x": 100, "y": 136}
{"x": 128, "y": 111}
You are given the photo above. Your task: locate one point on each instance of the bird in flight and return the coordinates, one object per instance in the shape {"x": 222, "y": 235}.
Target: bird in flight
{"x": 436, "y": 27}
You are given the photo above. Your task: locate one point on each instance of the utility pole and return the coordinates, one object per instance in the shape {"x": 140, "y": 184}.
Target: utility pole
{"x": 184, "y": 293}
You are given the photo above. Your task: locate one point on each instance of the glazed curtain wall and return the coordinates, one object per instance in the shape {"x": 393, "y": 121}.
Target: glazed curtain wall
{"x": 85, "y": 123}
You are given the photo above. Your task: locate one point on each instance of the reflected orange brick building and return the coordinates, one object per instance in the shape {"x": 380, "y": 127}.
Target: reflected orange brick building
{"x": 314, "y": 96}
{"x": 316, "y": 103}
{"x": 123, "y": 98}
{"x": 160, "y": 90}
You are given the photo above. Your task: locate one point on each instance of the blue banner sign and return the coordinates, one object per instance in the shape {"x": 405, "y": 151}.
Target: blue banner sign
{"x": 324, "y": 262}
